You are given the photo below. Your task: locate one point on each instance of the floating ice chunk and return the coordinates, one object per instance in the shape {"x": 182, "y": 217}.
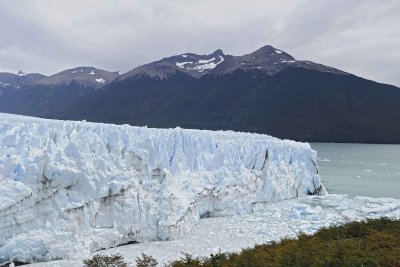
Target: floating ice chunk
{"x": 323, "y": 159}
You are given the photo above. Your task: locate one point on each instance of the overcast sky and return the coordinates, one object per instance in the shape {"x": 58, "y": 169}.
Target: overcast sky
{"x": 358, "y": 36}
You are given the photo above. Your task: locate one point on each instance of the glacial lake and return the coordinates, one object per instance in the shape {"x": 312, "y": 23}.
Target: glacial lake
{"x": 360, "y": 169}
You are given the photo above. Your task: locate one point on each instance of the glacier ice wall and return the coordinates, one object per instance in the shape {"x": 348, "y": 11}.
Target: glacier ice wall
{"x": 70, "y": 188}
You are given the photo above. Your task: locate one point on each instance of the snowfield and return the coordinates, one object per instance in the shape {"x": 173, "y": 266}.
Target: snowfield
{"x": 71, "y": 188}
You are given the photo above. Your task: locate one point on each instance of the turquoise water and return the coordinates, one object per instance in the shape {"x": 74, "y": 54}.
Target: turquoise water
{"x": 360, "y": 169}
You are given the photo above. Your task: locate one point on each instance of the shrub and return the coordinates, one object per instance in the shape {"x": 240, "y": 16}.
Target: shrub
{"x": 375, "y": 242}
{"x": 115, "y": 260}
{"x": 187, "y": 260}
{"x": 146, "y": 261}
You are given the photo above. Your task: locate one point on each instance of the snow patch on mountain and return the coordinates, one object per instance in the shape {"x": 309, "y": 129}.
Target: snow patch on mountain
{"x": 202, "y": 65}
{"x": 101, "y": 80}
{"x": 4, "y": 84}
{"x": 21, "y": 73}
{"x": 205, "y": 67}
{"x": 72, "y": 188}
{"x": 204, "y": 61}
{"x": 182, "y": 64}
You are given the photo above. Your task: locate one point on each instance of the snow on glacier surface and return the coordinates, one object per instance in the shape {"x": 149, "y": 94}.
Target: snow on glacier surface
{"x": 71, "y": 188}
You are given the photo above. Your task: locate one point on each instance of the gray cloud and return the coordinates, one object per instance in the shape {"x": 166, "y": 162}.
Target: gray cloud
{"x": 47, "y": 36}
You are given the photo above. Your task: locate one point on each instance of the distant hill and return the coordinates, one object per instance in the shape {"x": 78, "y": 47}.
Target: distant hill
{"x": 14, "y": 81}
{"x": 46, "y": 96}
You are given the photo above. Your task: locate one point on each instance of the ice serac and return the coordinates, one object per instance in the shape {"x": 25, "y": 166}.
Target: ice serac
{"x": 70, "y": 188}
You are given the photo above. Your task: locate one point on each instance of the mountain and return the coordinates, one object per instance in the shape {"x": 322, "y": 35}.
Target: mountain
{"x": 266, "y": 91}
{"x": 84, "y": 76}
{"x": 189, "y": 63}
{"x": 11, "y": 80}
{"x": 269, "y": 60}
{"x": 48, "y": 95}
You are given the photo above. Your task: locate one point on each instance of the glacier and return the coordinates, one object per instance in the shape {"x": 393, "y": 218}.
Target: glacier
{"x": 72, "y": 188}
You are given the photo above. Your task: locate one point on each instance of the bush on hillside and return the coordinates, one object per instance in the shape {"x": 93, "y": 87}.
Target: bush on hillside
{"x": 146, "y": 261}
{"x": 115, "y": 260}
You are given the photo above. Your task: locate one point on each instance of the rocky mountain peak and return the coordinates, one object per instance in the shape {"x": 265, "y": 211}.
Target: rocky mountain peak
{"x": 269, "y": 52}
{"x": 218, "y": 52}
{"x": 269, "y": 60}
{"x": 189, "y": 63}
{"x": 21, "y": 73}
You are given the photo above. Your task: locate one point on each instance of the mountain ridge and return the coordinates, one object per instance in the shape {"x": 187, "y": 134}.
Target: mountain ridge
{"x": 263, "y": 58}
{"x": 266, "y": 91}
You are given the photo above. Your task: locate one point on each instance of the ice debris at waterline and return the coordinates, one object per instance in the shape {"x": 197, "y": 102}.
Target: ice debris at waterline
{"x": 267, "y": 223}
{"x": 71, "y": 188}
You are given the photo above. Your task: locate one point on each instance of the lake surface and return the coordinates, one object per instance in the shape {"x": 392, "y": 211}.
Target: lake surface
{"x": 360, "y": 169}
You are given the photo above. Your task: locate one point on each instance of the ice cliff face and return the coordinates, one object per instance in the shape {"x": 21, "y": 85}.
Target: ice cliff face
{"x": 70, "y": 188}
